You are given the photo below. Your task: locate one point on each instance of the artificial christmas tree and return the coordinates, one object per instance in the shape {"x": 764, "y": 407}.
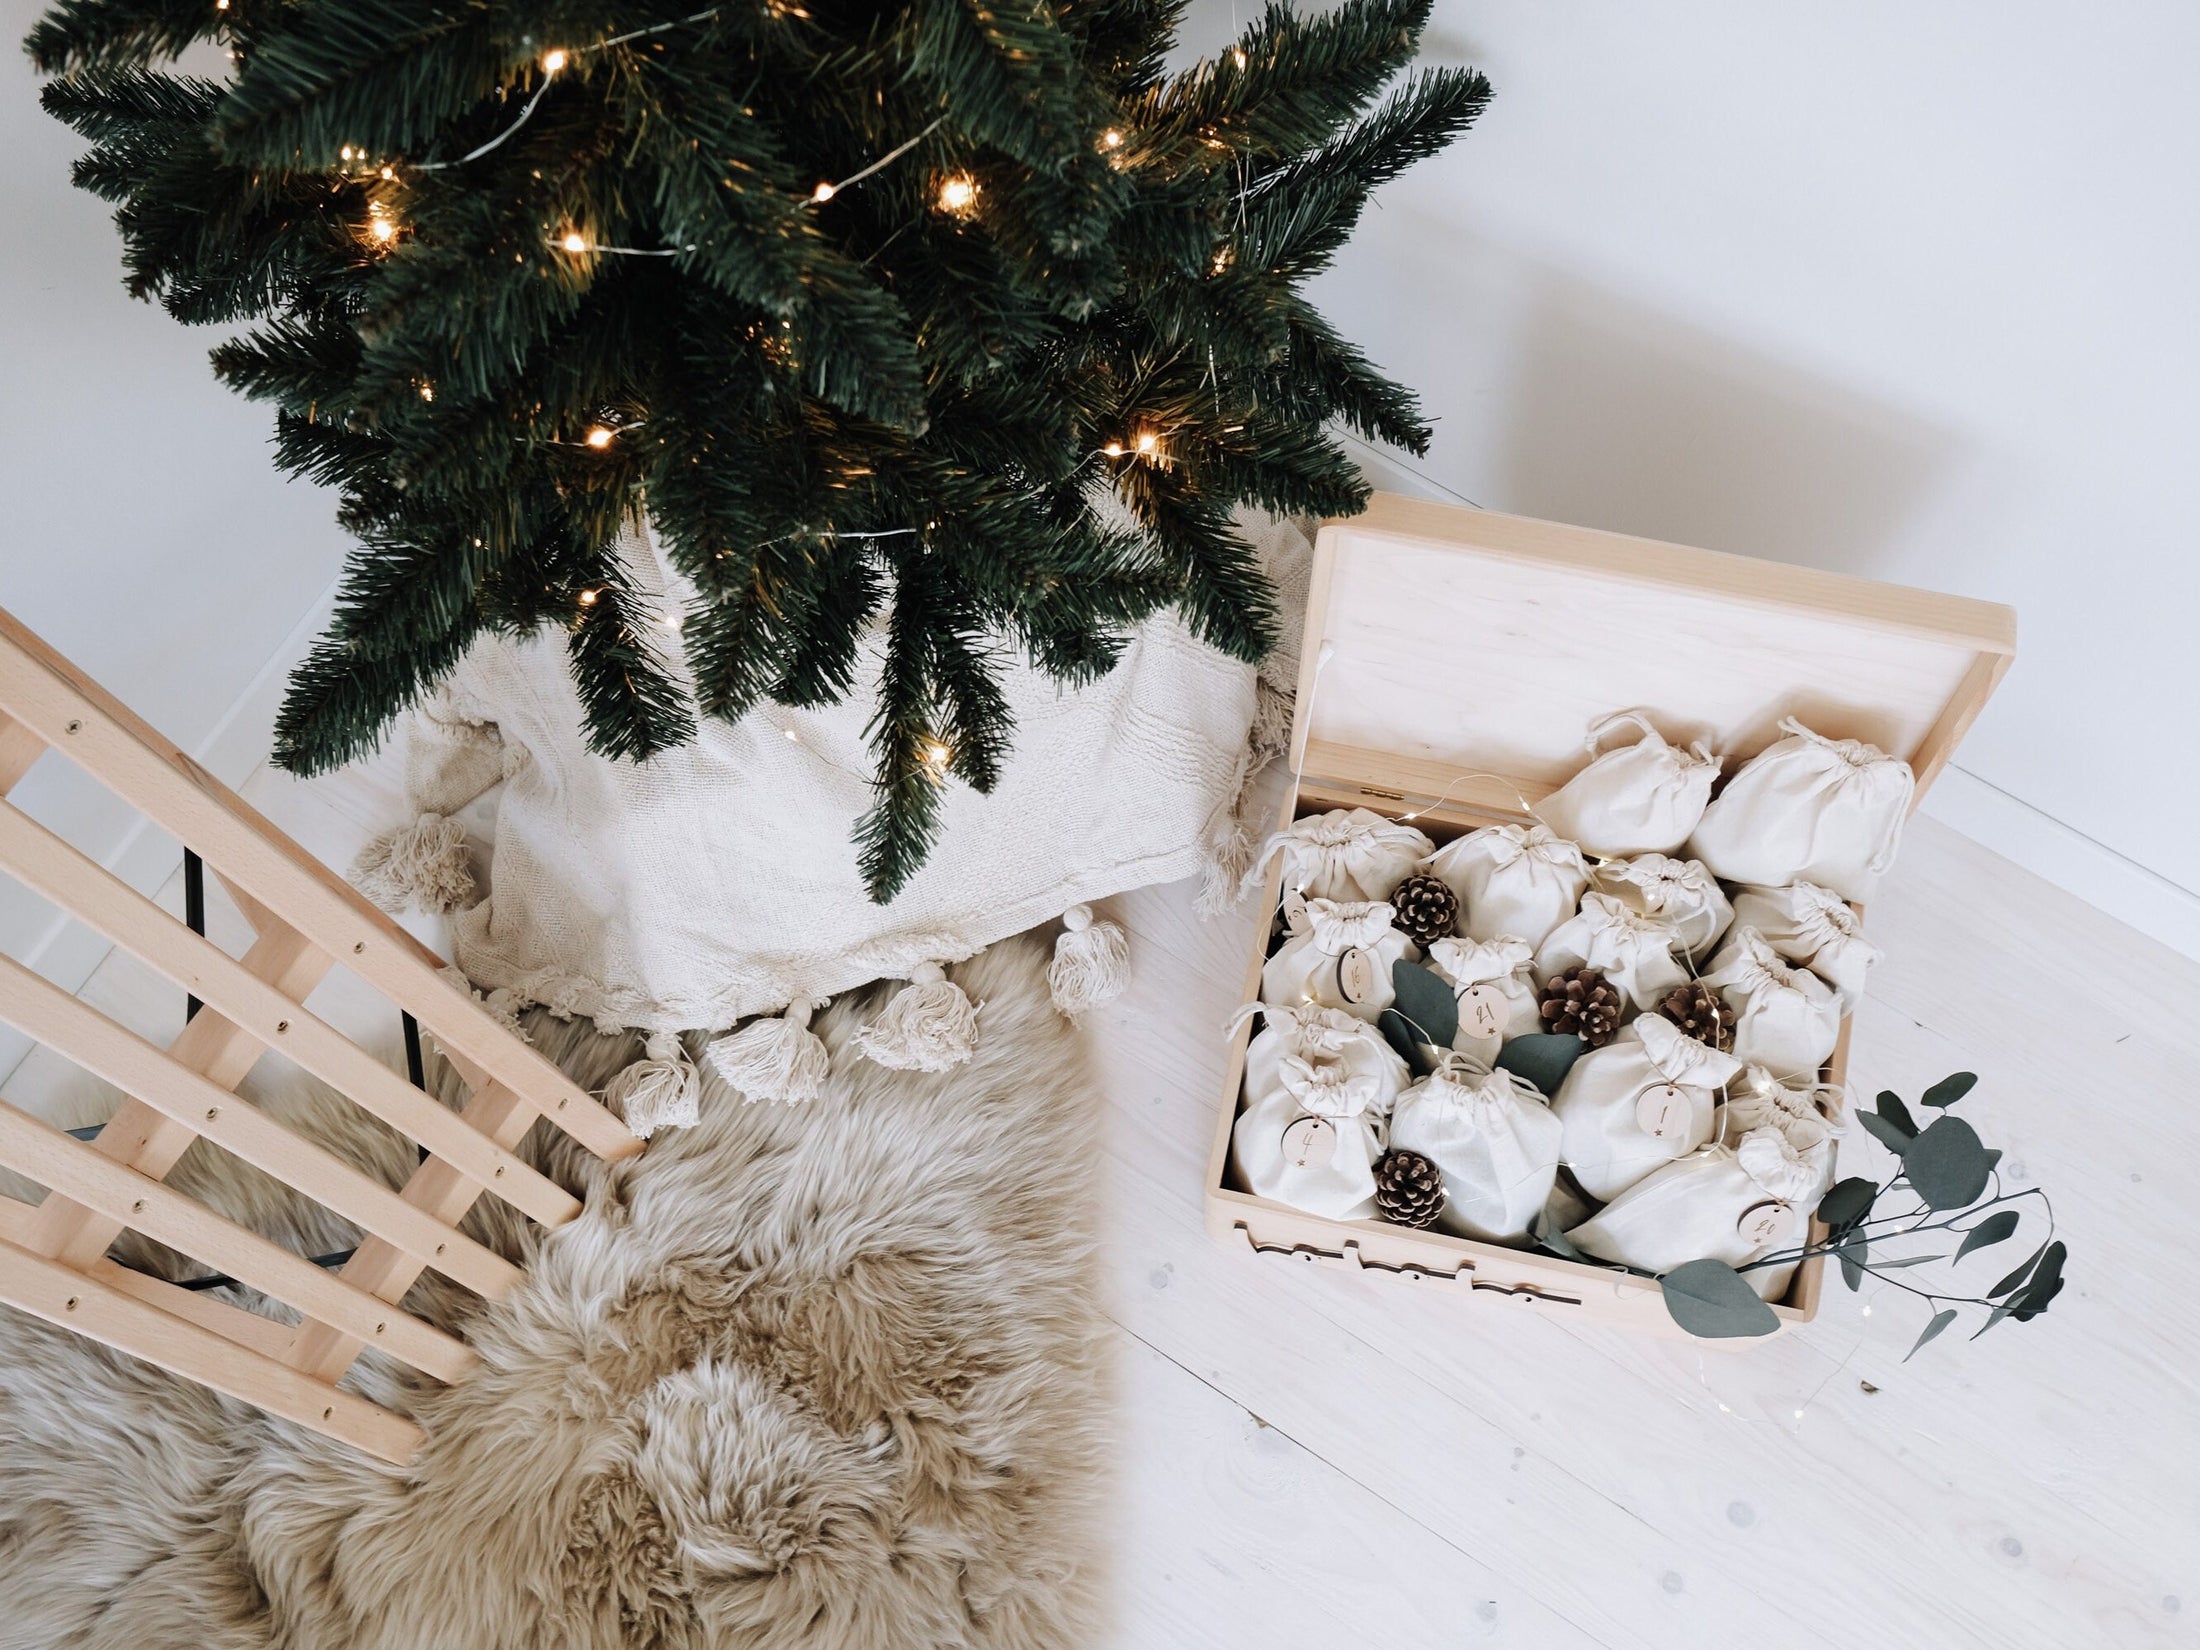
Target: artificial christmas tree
{"x": 875, "y": 313}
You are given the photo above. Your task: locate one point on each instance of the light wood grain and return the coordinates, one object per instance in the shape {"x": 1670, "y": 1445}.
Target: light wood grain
{"x": 19, "y": 748}
{"x": 64, "y": 708}
{"x": 386, "y": 1270}
{"x": 41, "y": 860}
{"x": 1488, "y": 643}
{"x": 53, "y": 1159}
{"x": 148, "y": 1139}
{"x": 45, "y": 1012}
{"x": 61, "y": 1295}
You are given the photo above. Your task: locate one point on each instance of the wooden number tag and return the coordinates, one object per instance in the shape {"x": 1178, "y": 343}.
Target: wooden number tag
{"x": 1311, "y": 1140}
{"x": 1661, "y": 1112}
{"x": 1356, "y": 975}
{"x": 1484, "y": 1011}
{"x": 1767, "y": 1224}
{"x": 1294, "y": 911}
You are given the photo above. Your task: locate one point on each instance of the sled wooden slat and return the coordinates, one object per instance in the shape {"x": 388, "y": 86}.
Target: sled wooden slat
{"x": 73, "y": 1300}
{"x": 19, "y": 748}
{"x": 45, "y": 1012}
{"x": 54, "y": 1160}
{"x": 74, "y": 715}
{"x": 248, "y": 1329}
{"x": 386, "y": 1271}
{"x": 69, "y": 879}
{"x": 305, "y": 921}
{"x": 149, "y": 1140}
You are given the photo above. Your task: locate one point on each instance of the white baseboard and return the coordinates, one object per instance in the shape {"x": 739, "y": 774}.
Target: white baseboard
{"x": 2071, "y": 860}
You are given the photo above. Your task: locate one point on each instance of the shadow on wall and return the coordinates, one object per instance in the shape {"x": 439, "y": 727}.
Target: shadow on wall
{"x": 1558, "y": 398}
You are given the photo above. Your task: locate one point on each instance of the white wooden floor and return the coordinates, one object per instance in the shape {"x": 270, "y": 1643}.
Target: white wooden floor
{"x": 1312, "y": 1461}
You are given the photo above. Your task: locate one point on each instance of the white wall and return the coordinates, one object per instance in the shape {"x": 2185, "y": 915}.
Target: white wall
{"x": 146, "y": 535}
{"x": 1902, "y": 288}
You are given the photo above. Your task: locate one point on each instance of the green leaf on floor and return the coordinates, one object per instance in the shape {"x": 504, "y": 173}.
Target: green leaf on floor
{"x": 1710, "y": 1299}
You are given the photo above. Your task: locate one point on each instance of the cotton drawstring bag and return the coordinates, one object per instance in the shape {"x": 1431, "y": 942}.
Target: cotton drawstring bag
{"x": 1319, "y": 1088}
{"x": 1641, "y": 1101}
{"x": 1522, "y": 880}
{"x": 1809, "y": 809}
{"x": 1637, "y": 799}
{"x": 1804, "y": 1113}
{"x": 1340, "y": 959}
{"x": 1495, "y": 985}
{"x": 1494, "y": 1140}
{"x": 1730, "y": 1202}
{"x": 1813, "y": 926}
{"x": 1682, "y": 892}
{"x": 1786, "y": 1019}
{"x": 1633, "y": 951}
{"x": 1345, "y": 854}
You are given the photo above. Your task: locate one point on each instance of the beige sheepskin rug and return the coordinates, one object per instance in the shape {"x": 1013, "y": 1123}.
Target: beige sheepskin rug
{"x": 815, "y": 1378}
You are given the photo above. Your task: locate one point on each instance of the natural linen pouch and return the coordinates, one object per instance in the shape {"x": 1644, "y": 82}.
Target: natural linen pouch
{"x": 1639, "y": 799}
{"x": 1809, "y": 809}
{"x": 1344, "y": 854}
{"x": 1340, "y": 957}
{"x": 1787, "y": 1019}
{"x": 1522, "y": 880}
{"x": 1683, "y": 892}
{"x": 1492, "y": 1137}
{"x": 1757, "y": 1098}
{"x": 1813, "y": 926}
{"x": 1633, "y": 951}
{"x": 1723, "y": 1202}
{"x": 1634, "y": 1105}
{"x": 1495, "y": 988}
{"x": 1319, "y": 1087}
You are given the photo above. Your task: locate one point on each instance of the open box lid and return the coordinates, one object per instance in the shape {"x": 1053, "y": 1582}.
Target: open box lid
{"x": 1462, "y": 654}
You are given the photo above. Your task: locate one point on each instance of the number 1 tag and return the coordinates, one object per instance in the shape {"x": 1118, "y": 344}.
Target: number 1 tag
{"x": 1661, "y": 1112}
{"x": 1484, "y": 1011}
{"x": 1309, "y": 1141}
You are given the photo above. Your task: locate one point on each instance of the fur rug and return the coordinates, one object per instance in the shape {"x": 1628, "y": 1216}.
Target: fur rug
{"x": 813, "y": 1378}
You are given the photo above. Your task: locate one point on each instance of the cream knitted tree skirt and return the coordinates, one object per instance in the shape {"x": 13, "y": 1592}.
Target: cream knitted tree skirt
{"x": 814, "y": 1378}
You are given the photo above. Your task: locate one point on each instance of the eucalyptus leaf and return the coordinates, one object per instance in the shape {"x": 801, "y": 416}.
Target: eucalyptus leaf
{"x": 1426, "y": 1002}
{"x": 1894, "y": 1111}
{"x": 1849, "y": 1200}
{"x": 1851, "y": 1256}
{"x": 2046, "y": 1284}
{"x": 1947, "y": 1092}
{"x": 1993, "y": 1229}
{"x": 1710, "y": 1299}
{"x": 1885, "y": 1133}
{"x": 1548, "y": 1234}
{"x": 1542, "y": 1057}
{"x": 1948, "y": 1166}
{"x": 2014, "y": 1278}
{"x": 1994, "y": 1317}
{"x": 1399, "y": 1035}
{"x": 1941, "y": 1320}
{"x": 1906, "y": 1260}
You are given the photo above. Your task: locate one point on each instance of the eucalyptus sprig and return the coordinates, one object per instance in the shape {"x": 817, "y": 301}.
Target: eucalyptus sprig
{"x": 1947, "y": 1181}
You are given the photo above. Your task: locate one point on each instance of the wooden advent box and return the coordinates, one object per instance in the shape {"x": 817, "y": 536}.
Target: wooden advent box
{"x": 1454, "y": 659}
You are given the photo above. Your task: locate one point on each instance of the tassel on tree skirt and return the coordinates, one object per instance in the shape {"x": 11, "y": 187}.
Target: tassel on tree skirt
{"x": 1091, "y": 962}
{"x": 662, "y": 1090}
{"x": 773, "y": 1059}
{"x": 424, "y": 863}
{"x": 929, "y": 1026}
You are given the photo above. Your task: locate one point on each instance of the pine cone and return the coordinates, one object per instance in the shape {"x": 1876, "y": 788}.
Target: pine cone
{"x": 1696, "y": 1009}
{"x": 1425, "y": 909}
{"x": 1581, "y": 1001}
{"x": 1408, "y": 1189}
